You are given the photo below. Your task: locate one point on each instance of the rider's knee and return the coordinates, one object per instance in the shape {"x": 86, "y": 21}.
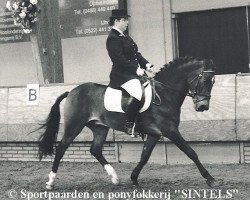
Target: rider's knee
{"x": 134, "y": 88}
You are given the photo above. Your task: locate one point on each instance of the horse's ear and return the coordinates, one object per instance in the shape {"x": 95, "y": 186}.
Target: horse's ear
{"x": 211, "y": 63}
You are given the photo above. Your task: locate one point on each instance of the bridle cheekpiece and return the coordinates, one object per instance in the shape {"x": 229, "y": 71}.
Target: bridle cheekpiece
{"x": 193, "y": 93}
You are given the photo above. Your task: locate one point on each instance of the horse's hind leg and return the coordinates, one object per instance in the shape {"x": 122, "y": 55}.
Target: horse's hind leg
{"x": 100, "y": 133}
{"x": 70, "y": 134}
{"x": 146, "y": 152}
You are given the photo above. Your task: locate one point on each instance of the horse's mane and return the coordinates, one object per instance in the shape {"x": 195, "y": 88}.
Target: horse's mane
{"x": 176, "y": 63}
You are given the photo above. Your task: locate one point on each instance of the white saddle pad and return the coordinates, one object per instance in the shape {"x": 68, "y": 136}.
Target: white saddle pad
{"x": 113, "y": 99}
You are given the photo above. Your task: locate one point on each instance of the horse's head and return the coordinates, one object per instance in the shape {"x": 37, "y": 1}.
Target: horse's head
{"x": 189, "y": 76}
{"x": 200, "y": 83}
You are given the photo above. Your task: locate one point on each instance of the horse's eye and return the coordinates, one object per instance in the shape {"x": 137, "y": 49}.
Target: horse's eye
{"x": 210, "y": 80}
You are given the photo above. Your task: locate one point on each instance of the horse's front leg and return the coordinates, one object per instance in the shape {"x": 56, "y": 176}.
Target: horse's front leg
{"x": 174, "y": 135}
{"x": 146, "y": 152}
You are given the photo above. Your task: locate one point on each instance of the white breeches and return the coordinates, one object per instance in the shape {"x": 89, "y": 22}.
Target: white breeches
{"x": 133, "y": 87}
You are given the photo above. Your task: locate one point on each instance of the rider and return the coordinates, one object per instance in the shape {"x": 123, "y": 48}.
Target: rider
{"x": 128, "y": 64}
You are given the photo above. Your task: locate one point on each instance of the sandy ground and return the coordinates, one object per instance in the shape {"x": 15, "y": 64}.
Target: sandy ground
{"x": 24, "y": 180}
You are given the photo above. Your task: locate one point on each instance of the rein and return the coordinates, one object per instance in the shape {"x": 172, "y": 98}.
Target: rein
{"x": 189, "y": 93}
{"x": 152, "y": 83}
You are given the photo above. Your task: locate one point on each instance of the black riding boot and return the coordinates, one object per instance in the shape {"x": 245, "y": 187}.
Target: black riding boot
{"x": 131, "y": 113}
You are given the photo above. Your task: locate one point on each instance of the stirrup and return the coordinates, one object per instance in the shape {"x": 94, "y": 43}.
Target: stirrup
{"x": 133, "y": 131}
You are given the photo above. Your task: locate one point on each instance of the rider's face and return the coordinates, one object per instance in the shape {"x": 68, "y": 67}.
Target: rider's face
{"x": 122, "y": 24}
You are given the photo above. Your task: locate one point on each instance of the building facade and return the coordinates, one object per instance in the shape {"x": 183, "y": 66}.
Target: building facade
{"x": 163, "y": 30}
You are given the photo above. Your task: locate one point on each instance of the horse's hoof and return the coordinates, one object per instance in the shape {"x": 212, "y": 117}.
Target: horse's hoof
{"x": 212, "y": 183}
{"x": 136, "y": 186}
{"x": 115, "y": 181}
{"x": 49, "y": 187}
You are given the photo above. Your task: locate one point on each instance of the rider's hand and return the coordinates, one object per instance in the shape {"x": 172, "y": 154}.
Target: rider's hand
{"x": 140, "y": 71}
{"x": 149, "y": 67}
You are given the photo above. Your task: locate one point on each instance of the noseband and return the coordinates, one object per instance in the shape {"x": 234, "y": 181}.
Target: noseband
{"x": 195, "y": 91}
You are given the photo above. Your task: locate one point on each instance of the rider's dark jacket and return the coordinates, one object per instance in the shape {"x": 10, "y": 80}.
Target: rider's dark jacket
{"x": 124, "y": 54}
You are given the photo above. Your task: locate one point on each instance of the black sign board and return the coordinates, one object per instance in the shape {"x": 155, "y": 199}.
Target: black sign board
{"x": 9, "y": 32}
{"x": 80, "y": 18}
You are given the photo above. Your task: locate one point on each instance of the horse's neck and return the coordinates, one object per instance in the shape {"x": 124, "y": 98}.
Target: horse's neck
{"x": 174, "y": 95}
{"x": 176, "y": 77}
{"x": 173, "y": 83}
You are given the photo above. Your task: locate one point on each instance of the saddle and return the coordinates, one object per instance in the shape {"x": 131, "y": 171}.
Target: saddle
{"x": 116, "y": 100}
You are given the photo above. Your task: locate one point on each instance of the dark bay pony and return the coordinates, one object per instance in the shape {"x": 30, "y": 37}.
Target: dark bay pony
{"x": 84, "y": 107}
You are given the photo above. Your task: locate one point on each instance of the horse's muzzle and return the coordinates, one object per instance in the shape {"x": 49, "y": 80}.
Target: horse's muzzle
{"x": 202, "y": 105}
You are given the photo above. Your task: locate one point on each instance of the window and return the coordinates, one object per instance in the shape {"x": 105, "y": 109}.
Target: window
{"x": 222, "y": 35}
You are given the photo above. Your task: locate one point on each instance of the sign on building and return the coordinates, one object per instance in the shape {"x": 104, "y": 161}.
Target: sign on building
{"x": 9, "y": 32}
{"x": 80, "y": 18}
{"x": 32, "y": 94}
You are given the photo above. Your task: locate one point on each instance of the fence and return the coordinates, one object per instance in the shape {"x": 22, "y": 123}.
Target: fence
{"x": 219, "y": 135}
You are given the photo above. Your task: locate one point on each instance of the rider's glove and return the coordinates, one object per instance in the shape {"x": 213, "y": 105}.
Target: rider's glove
{"x": 140, "y": 71}
{"x": 149, "y": 67}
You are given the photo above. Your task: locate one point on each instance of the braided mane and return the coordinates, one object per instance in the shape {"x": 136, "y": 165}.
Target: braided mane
{"x": 176, "y": 63}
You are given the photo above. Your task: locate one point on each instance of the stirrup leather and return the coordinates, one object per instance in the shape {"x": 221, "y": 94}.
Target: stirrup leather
{"x": 130, "y": 128}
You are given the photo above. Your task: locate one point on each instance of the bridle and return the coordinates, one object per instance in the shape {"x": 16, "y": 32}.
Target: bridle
{"x": 193, "y": 93}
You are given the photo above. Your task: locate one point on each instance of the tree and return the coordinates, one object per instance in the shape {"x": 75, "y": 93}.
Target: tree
{"x": 46, "y": 43}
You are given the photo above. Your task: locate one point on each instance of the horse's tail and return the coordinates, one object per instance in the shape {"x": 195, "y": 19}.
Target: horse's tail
{"x": 47, "y": 140}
